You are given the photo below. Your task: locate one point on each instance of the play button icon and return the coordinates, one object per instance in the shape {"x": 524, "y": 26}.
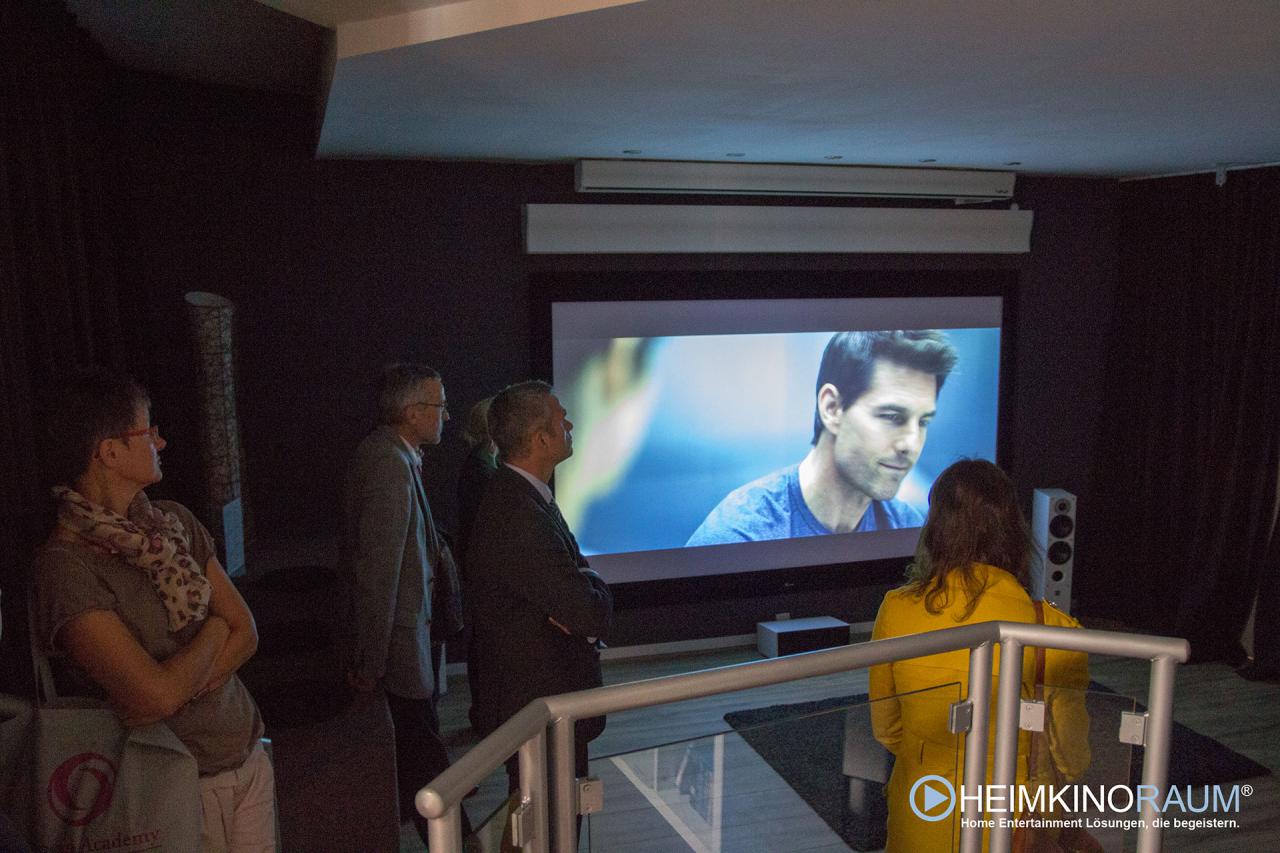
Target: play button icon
{"x": 932, "y": 797}
{"x": 928, "y": 794}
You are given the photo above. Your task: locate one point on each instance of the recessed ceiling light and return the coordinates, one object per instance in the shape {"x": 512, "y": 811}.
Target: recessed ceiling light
{"x": 631, "y": 151}
{"x": 834, "y": 157}
{"x": 929, "y": 160}
{"x": 736, "y": 154}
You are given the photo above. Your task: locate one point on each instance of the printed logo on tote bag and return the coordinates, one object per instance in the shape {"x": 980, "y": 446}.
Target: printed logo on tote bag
{"x": 80, "y": 788}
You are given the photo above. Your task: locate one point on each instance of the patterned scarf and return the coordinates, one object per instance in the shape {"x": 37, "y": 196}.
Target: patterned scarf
{"x": 152, "y": 540}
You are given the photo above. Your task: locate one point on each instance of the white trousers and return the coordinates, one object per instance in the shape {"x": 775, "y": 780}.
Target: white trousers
{"x": 239, "y": 807}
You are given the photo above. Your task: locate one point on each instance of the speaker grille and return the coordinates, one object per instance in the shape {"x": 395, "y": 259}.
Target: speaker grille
{"x": 1060, "y": 526}
{"x": 1053, "y": 525}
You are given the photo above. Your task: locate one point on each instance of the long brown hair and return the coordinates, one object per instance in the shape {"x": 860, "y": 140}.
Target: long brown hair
{"x": 973, "y": 518}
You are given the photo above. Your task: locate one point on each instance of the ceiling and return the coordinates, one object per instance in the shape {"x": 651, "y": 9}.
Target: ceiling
{"x": 1122, "y": 88}
{"x": 239, "y": 43}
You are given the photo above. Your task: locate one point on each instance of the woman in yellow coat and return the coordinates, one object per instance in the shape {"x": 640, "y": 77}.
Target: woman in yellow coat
{"x": 972, "y": 565}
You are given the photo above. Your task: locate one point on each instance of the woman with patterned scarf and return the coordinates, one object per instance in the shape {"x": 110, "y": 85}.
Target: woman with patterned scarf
{"x": 131, "y": 596}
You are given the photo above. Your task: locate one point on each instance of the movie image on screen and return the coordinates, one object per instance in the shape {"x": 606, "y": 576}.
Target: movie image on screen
{"x": 717, "y": 448}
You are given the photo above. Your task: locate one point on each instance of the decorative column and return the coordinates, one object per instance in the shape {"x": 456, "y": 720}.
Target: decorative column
{"x": 221, "y": 454}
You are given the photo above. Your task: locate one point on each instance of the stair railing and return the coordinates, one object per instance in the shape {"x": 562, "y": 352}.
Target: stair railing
{"x": 548, "y": 812}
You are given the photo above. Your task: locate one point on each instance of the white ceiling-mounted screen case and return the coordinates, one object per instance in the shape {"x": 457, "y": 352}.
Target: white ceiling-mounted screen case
{"x": 682, "y": 228}
{"x": 658, "y": 176}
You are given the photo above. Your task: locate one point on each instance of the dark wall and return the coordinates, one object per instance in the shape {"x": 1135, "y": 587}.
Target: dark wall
{"x": 337, "y": 267}
{"x": 1067, "y": 296}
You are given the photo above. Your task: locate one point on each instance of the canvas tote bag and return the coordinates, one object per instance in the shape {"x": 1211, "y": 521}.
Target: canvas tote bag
{"x": 73, "y": 777}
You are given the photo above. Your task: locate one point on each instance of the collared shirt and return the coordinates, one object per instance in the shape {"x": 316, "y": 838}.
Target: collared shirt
{"x": 432, "y": 536}
{"x": 543, "y": 488}
{"x": 416, "y": 451}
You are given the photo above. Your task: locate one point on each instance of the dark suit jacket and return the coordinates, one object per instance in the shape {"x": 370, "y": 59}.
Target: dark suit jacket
{"x": 524, "y": 565}
{"x": 473, "y": 479}
{"x": 386, "y": 552}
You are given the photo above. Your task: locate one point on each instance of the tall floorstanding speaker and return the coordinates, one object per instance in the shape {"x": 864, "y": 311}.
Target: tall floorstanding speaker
{"x": 1053, "y": 525}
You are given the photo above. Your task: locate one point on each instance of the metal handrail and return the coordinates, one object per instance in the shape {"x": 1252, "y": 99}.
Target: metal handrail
{"x": 526, "y": 731}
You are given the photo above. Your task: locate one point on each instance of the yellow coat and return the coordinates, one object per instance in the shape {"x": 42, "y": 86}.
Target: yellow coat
{"x": 914, "y": 727}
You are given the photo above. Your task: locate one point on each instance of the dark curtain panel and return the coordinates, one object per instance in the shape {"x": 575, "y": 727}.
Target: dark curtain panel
{"x": 1190, "y": 461}
{"x": 58, "y": 306}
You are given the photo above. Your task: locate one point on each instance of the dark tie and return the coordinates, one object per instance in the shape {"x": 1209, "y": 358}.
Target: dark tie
{"x": 564, "y": 527}
{"x": 555, "y": 510}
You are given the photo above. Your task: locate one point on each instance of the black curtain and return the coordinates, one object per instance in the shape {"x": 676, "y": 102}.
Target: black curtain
{"x": 1190, "y": 461}
{"x": 58, "y": 295}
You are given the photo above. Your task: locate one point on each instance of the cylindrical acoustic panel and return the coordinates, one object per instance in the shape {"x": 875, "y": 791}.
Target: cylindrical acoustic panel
{"x": 221, "y": 453}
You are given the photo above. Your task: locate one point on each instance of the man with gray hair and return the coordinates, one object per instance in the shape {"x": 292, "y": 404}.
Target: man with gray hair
{"x": 539, "y": 610}
{"x": 389, "y": 546}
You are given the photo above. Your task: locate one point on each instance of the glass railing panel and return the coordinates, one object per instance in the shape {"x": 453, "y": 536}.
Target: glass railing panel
{"x": 1207, "y": 788}
{"x": 805, "y": 777}
{"x": 1080, "y": 759}
{"x": 489, "y": 808}
{"x": 922, "y": 811}
{"x": 811, "y": 776}
{"x": 489, "y": 831}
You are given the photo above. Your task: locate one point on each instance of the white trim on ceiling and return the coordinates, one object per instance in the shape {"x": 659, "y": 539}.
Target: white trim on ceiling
{"x": 665, "y": 176}
{"x": 450, "y": 20}
{"x": 661, "y": 228}
{"x": 1240, "y": 167}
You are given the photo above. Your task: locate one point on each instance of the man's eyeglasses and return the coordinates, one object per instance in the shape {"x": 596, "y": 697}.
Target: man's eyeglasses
{"x": 443, "y": 407}
{"x": 153, "y": 431}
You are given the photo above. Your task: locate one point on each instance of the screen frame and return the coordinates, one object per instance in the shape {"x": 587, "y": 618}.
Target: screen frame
{"x": 548, "y": 288}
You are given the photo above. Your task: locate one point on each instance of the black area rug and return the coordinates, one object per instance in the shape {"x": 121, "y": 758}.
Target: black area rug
{"x": 804, "y": 746}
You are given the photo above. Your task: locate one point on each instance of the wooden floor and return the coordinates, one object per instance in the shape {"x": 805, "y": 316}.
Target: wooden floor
{"x": 1210, "y": 698}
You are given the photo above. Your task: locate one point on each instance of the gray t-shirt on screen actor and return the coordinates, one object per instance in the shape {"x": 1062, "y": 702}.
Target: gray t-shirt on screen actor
{"x": 773, "y": 507}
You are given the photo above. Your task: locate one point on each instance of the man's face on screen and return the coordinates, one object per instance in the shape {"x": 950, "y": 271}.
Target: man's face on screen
{"x": 880, "y": 436}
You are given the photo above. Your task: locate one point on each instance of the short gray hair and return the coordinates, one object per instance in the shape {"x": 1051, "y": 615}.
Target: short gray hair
{"x": 399, "y": 383}
{"x": 516, "y": 414}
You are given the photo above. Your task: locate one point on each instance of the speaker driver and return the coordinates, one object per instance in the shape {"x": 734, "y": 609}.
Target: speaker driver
{"x": 1059, "y": 553}
{"x": 1060, "y": 526}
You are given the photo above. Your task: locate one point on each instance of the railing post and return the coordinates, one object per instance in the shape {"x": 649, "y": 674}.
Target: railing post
{"x": 564, "y": 801}
{"x": 1008, "y": 705}
{"x": 533, "y": 789}
{"x": 1155, "y": 758}
{"x": 444, "y": 834}
{"x": 975, "y": 745}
